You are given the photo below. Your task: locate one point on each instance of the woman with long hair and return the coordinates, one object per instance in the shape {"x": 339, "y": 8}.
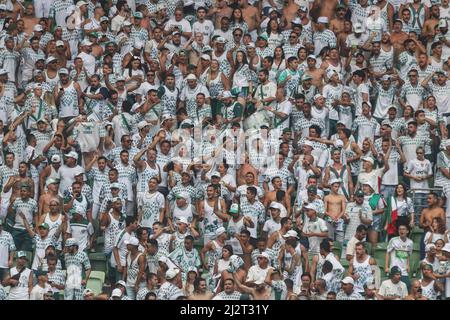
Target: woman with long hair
{"x": 274, "y": 34}
{"x": 216, "y": 82}
{"x": 279, "y": 61}
{"x": 134, "y": 71}
{"x": 437, "y": 231}
{"x": 174, "y": 168}
{"x": 240, "y": 72}
{"x": 402, "y": 212}
{"x": 237, "y": 20}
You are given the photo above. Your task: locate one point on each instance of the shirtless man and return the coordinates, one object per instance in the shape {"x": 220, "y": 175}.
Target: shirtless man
{"x": 15, "y": 182}
{"x": 325, "y": 7}
{"x": 317, "y": 74}
{"x": 251, "y": 17}
{"x": 398, "y": 37}
{"x": 429, "y": 27}
{"x": 337, "y": 24}
{"x": 290, "y": 13}
{"x": 46, "y": 198}
{"x": 220, "y": 10}
{"x": 200, "y": 290}
{"x": 433, "y": 211}
{"x": 247, "y": 248}
{"x": 272, "y": 196}
{"x": 335, "y": 204}
{"x": 260, "y": 292}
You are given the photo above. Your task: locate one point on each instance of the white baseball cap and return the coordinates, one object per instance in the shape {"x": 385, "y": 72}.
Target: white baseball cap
{"x": 143, "y": 124}
{"x": 81, "y": 3}
{"x": 38, "y": 28}
{"x": 264, "y": 255}
{"x": 290, "y": 234}
{"x": 275, "y": 205}
{"x": 368, "y": 159}
{"x": 308, "y": 143}
{"x": 339, "y": 143}
{"x": 322, "y": 20}
{"x": 206, "y": 57}
{"x": 191, "y": 76}
{"x": 348, "y": 280}
{"x": 335, "y": 180}
{"x": 358, "y": 28}
{"x": 172, "y": 273}
{"x": 86, "y": 42}
{"x": 311, "y": 206}
{"x": 72, "y": 154}
{"x": 183, "y": 220}
{"x": 116, "y": 293}
{"x": 215, "y": 174}
{"x": 55, "y": 158}
{"x": 227, "y": 94}
{"x": 60, "y": 43}
{"x": 220, "y": 230}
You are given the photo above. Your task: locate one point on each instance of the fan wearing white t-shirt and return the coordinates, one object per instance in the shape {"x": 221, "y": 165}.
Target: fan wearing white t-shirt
{"x": 398, "y": 253}
{"x": 257, "y": 273}
{"x": 393, "y": 288}
{"x": 203, "y": 26}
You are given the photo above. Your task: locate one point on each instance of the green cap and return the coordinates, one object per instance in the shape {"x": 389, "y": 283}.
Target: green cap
{"x": 44, "y": 225}
{"x": 25, "y": 185}
{"x": 93, "y": 34}
{"x": 312, "y": 189}
{"x": 264, "y": 36}
{"x": 340, "y": 6}
{"x": 359, "y": 193}
{"x": 287, "y": 130}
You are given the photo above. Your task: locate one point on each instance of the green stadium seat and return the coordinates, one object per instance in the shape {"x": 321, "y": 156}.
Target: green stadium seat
{"x": 337, "y": 251}
{"x": 380, "y": 257}
{"x": 98, "y": 261}
{"x": 99, "y": 244}
{"x": 96, "y": 281}
{"x": 344, "y": 263}
{"x": 368, "y": 247}
{"x": 97, "y": 275}
{"x": 95, "y": 285}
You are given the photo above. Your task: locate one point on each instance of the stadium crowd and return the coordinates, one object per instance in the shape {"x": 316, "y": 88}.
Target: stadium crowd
{"x": 224, "y": 150}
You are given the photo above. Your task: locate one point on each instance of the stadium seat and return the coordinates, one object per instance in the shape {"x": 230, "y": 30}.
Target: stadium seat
{"x": 96, "y": 281}
{"x": 416, "y": 235}
{"x": 95, "y": 285}
{"x": 98, "y": 261}
{"x": 337, "y": 251}
{"x": 380, "y": 257}
{"x": 97, "y": 275}
{"x": 368, "y": 247}
{"x": 99, "y": 244}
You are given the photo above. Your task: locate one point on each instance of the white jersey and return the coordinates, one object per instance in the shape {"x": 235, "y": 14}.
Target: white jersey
{"x": 20, "y": 292}
{"x": 364, "y": 270}
{"x": 111, "y": 231}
